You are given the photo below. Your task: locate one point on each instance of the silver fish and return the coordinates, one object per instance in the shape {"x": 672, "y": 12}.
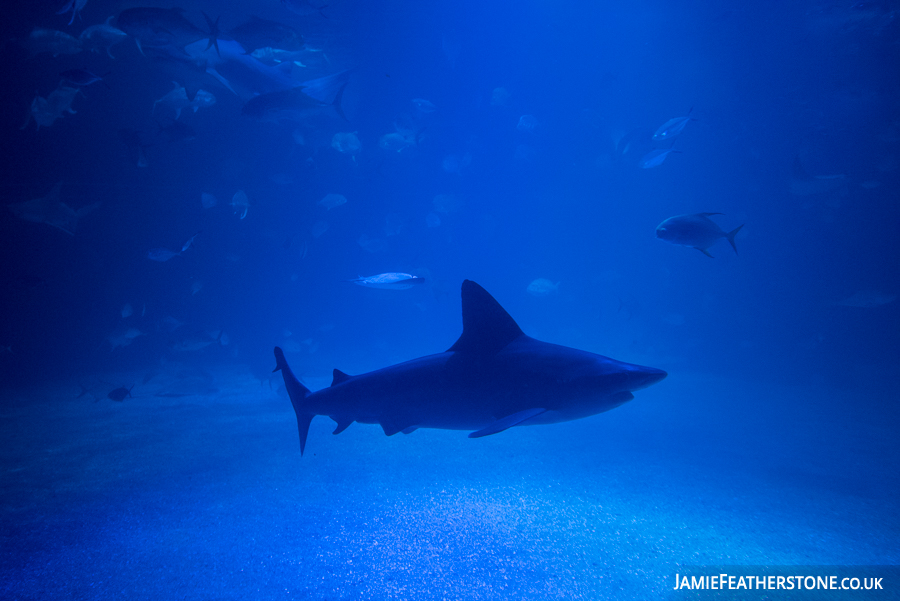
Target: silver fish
{"x": 390, "y": 281}
{"x": 695, "y": 231}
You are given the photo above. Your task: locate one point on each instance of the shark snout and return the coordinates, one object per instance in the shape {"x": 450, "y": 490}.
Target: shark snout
{"x": 639, "y": 377}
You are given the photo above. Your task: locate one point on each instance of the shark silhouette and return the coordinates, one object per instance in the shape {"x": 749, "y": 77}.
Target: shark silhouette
{"x": 493, "y": 378}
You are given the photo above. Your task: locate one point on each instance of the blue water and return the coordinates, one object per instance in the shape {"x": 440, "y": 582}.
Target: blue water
{"x": 772, "y": 441}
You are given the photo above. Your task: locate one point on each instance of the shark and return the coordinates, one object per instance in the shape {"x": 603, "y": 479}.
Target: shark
{"x": 52, "y": 211}
{"x": 494, "y": 377}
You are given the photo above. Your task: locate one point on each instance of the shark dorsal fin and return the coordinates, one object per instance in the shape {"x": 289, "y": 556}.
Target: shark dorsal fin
{"x": 487, "y": 327}
{"x": 339, "y": 377}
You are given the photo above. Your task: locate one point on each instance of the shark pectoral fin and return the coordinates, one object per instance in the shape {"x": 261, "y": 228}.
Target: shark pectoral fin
{"x": 342, "y": 424}
{"x": 705, "y": 252}
{"x": 507, "y": 422}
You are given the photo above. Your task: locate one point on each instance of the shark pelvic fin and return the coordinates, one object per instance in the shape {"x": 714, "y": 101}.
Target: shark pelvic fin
{"x": 507, "y": 422}
{"x": 391, "y": 424}
{"x": 487, "y": 327}
{"x": 342, "y": 424}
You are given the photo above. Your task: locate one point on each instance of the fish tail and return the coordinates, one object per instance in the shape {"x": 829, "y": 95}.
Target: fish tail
{"x": 298, "y": 393}
{"x": 337, "y": 102}
{"x": 730, "y": 235}
{"x": 213, "y": 33}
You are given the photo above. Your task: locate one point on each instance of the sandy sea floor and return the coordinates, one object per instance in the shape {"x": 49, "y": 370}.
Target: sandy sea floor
{"x": 203, "y": 494}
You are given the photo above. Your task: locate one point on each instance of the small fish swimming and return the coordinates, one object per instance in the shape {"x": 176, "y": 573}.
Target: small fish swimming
{"x": 390, "y": 281}
{"x": 119, "y": 394}
{"x": 346, "y": 143}
{"x": 331, "y": 201}
{"x": 177, "y": 99}
{"x": 655, "y": 158}
{"x": 423, "y": 106}
{"x": 123, "y": 337}
{"x": 804, "y": 184}
{"x": 79, "y": 78}
{"x": 72, "y": 5}
{"x": 257, "y": 33}
{"x": 542, "y": 287}
{"x": 241, "y": 203}
{"x": 103, "y": 36}
{"x": 867, "y": 299}
{"x": 304, "y": 8}
{"x": 161, "y": 254}
{"x": 165, "y": 28}
{"x": 527, "y": 124}
{"x": 672, "y": 128}
{"x": 695, "y": 231}
{"x": 51, "y": 41}
{"x": 200, "y": 341}
{"x": 58, "y": 103}
{"x": 190, "y": 241}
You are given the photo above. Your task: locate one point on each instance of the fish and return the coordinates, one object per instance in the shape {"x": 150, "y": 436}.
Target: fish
{"x": 72, "y": 5}
{"x": 241, "y": 203}
{"x": 672, "y": 128}
{"x": 190, "y": 241}
{"x": 165, "y": 28}
{"x": 655, "y": 158}
{"x": 276, "y": 56}
{"x": 346, "y": 143}
{"x": 45, "y": 111}
{"x": 176, "y": 132}
{"x": 305, "y": 8}
{"x": 256, "y": 33}
{"x": 199, "y": 341}
{"x": 390, "y": 281}
{"x": 867, "y": 299}
{"x": 123, "y": 337}
{"x": 79, "y": 78}
{"x": 208, "y": 200}
{"x": 102, "y": 37}
{"x": 804, "y": 184}
{"x": 50, "y": 41}
{"x": 492, "y": 378}
{"x": 542, "y": 287}
{"x": 423, "y": 106}
{"x": 696, "y": 231}
{"x": 161, "y": 254}
{"x": 527, "y": 124}
{"x": 302, "y": 101}
{"x": 398, "y": 141}
{"x": 52, "y": 211}
{"x": 177, "y": 99}
{"x": 330, "y": 201}
{"x": 119, "y": 394}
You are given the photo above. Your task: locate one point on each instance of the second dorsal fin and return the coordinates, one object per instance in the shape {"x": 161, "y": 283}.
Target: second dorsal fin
{"x": 339, "y": 377}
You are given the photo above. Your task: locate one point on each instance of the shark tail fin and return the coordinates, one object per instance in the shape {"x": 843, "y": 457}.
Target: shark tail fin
{"x": 730, "y": 235}
{"x": 298, "y": 393}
